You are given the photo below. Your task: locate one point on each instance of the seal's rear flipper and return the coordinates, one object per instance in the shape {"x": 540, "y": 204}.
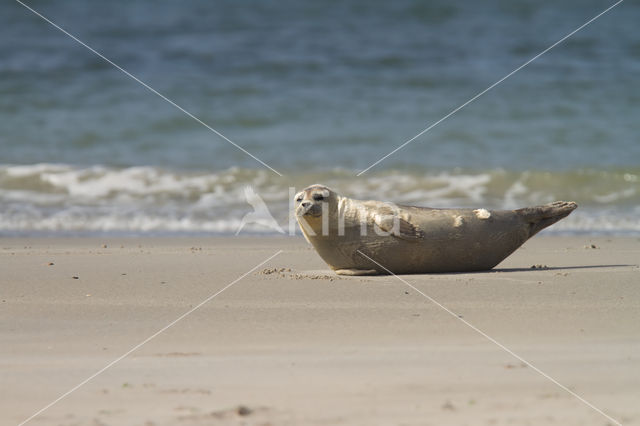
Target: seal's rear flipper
{"x": 540, "y": 217}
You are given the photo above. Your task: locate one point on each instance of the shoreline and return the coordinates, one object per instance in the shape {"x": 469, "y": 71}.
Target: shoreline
{"x": 293, "y": 343}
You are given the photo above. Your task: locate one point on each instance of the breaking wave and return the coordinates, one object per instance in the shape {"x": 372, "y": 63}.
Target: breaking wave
{"x": 59, "y": 198}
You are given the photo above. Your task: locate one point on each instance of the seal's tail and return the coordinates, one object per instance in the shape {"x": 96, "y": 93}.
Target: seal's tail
{"x": 540, "y": 217}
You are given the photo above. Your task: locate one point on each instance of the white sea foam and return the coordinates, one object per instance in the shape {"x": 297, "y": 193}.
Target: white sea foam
{"x": 599, "y": 221}
{"x": 437, "y": 190}
{"x": 58, "y": 197}
{"x": 615, "y": 196}
{"x": 19, "y": 171}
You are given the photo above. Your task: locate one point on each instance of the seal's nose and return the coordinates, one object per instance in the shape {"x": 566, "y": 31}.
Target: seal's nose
{"x": 305, "y": 204}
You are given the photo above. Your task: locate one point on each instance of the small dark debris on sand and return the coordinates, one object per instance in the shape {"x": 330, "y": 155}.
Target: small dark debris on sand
{"x": 269, "y": 271}
{"x": 313, "y": 277}
{"x": 591, "y": 246}
{"x": 289, "y": 274}
{"x": 448, "y": 406}
{"x": 539, "y": 266}
{"x": 243, "y": 410}
{"x": 512, "y": 366}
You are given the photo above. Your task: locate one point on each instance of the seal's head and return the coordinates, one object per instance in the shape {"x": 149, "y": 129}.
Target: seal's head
{"x": 314, "y": 200}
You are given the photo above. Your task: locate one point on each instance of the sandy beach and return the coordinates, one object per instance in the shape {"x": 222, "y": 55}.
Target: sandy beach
{"x": 200, "y": 118}
{"x": 291, "y": 343}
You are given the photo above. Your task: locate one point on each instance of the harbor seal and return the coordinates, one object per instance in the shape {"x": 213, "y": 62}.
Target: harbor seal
{"x": 372, "y": 237}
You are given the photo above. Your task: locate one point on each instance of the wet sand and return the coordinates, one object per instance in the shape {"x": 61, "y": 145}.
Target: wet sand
{"x": 291, "y": 343}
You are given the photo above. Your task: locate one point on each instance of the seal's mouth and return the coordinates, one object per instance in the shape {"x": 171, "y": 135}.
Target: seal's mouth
{"x": 312, "y": 214}
{"x": 313, "y": 210}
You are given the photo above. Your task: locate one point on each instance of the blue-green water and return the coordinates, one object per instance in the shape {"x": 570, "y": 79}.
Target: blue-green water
{"x": 319, "y": 91}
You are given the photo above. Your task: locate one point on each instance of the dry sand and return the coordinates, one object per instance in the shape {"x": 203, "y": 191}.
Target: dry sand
{"x": 293, "y": 344}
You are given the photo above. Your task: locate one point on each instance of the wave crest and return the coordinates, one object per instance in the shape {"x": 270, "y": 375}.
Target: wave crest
{"x": 65, "y": 198}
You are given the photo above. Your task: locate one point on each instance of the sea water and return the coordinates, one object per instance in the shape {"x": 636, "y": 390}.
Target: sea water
{"x": 319, "y": 91}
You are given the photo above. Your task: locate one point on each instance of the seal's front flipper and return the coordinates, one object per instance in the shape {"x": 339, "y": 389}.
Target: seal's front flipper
{"x": 353, "y": 272}
{"x": 409, "y": 231}
{"x": 398, "y": 227}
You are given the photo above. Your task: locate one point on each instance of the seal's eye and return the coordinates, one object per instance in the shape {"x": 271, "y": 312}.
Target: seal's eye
{"x": 318, "y": 197}
{"x": 299, "y": 198}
